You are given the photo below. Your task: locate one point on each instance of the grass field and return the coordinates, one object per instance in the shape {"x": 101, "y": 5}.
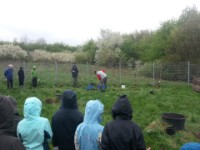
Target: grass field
{"x": 169, "y": 97}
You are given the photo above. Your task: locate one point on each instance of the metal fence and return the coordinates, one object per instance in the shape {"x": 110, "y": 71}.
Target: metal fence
{"x": 59, "y": 74}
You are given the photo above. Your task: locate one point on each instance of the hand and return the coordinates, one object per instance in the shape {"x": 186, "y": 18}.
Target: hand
{"x": 149, "y": 148}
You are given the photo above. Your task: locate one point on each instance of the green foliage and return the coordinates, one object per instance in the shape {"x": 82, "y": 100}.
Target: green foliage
{"x": 90, "y": 49}
{"x": 129, "y": 48}
{"x": 175, "y": 40}
{"x": 109, "y": 51}
{"x": 81, "y": 57}
{"x": 186, "y": 37}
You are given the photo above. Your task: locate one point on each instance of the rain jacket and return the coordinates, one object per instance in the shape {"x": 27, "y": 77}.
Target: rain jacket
{"x": 7, "y": 140}
{"x": 74, "y": 71}
{"x": 101, "y": 74}
{"x": 88, "y": 134}
{"x": 33, "y": 130}
{"x": 34, "y": 73}
{"x": 191, "y": 146}
{"x": 65, "y": 121}
{"x": 9, "y": 73}
{"x": 122, "y": 133}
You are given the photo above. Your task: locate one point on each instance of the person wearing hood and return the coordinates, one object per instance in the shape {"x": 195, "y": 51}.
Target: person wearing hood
{"x": 88, "y": 134}
{"x": 74, "y": 71}
{"x": 34, "y": 131}
{"x": 65, "y": 121}
{"x": 7, "y": 140}
{"x": 16, "y": 117}
{"x": 9, "y": 76}
{"x": 122, "y": 133}
{"x": 21, "y": 76}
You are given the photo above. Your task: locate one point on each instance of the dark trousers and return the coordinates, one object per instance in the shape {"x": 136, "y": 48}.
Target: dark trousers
{"x": 34, "y": 81}
{"x": 21, "y": 82}
{"x": 75, "y": 80}
{"x": 9, "y": 83}
{"x": 104, "y": 83}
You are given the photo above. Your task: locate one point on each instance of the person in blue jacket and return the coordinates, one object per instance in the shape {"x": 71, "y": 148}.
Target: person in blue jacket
{"x": 65, "y": 121}
{"x": 88, "y": 133}
{"x": 34, "y": 131}
{"x": 9, "y": 76}
{"x": 191, "y": 146}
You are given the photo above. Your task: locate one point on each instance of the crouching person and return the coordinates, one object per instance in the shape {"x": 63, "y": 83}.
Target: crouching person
{"x": 88, "y": 133}
{"x": 122, "y": 133}
{"x": 34, "y": 131}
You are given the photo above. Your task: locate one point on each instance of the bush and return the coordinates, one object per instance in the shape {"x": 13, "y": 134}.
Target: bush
{"x": 12, "y": 52}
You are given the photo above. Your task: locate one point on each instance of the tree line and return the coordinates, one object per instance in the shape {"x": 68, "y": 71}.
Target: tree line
{"x": 175, "y": 40}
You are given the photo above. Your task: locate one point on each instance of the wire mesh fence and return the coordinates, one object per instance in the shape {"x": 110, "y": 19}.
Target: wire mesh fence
{"x": 59, "y": 74}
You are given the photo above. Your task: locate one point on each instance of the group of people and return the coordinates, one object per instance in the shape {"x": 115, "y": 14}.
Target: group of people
{"x": 101, "y": 75}
{"x": 69, "y": 129}
{"x": 8, "y": 73}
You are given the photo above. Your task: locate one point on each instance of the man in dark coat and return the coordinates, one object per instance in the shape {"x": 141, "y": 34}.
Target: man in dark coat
{"x": 65, "y": 121}
{"x": 74, "y": 71}
{"x": 21, "y": 76}
{"x": 8, "y": 141}
{"x": 122, "y": 133}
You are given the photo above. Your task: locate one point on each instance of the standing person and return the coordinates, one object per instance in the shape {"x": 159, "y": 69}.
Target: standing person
{"x": 34, "y": 76}
{"x": 9, "y": 76}
{"x": 74, "y": 71}
{"x": 122, "y": 133}
{"x": 34, "y": 131}
{"x": 21, "y": 76}
{"x": 88, "y": 134}
{"x": 65, "y": 121}
{"x": 102, "y": 76}
{"x": 8, "y": 141}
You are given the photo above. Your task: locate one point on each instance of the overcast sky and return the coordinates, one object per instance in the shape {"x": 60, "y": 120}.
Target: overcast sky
{"x": 77, "y": 21}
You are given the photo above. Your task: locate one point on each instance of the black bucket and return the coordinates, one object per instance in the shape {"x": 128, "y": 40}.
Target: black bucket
{"x": 170, "y": 130}
{"x": 176, "y": 120}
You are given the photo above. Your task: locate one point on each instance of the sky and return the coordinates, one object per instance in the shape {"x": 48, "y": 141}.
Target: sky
{"x": 74, "y": 22}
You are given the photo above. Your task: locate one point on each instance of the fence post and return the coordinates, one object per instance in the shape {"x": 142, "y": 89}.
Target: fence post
{"x": 56, "y": 73}
{"x": 188, "y": 73}
{"x": 120, "y": 72}
{"x": 88, "y": 77}
{"x": 24, "y": 71}
{"x": 153, "y": 75}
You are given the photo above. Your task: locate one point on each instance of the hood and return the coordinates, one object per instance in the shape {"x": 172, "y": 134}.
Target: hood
{"x": 14, "y": 103}
{"x": 122, "y": 108}
{"x": 93, "y": 111}
{"x": 7, "y": 113}
{"x": 32, "y": 108}
{"x": 69, "y": 100}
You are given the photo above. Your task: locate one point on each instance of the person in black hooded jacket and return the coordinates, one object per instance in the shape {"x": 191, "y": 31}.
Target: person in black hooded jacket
{"x": 8, "y": 141}
{"x": 122, "y": 133}
{"x": 21, "y": 76}
{"x": 65, "y": 121}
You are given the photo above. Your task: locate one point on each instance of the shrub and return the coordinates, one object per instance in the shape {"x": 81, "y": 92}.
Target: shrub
{"x": 12, "y": 52}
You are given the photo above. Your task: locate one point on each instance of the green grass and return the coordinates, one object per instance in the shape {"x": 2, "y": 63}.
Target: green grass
{"x": 169, "y": 97}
